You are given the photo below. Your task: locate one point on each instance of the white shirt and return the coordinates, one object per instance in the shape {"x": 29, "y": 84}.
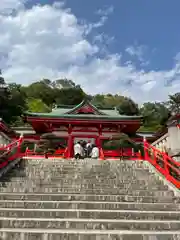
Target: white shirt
{"x": 95, "y": 152}
{"x": 78, "y": 149}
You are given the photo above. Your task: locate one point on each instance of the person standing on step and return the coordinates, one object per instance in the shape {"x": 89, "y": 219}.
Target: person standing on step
{"x": 78, "y": 150}
{"x": 89, "y": 148}
{"x": 95, "y": 152}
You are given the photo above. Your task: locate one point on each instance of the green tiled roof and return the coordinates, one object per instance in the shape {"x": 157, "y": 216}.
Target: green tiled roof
{"x": 62, "y": 111}
{"x": 83, "y": 116}
{"x": 65, "y": 111}
{"x": 112, "y": 112}
{"x": 59, "y": 111}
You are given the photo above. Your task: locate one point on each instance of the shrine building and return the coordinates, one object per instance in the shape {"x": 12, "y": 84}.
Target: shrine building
{"x": 83, "y": 122}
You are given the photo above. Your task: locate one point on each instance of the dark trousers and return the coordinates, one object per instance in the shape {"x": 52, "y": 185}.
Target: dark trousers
{"x": 89, "y": 152}
{"x": 77, "y": 156}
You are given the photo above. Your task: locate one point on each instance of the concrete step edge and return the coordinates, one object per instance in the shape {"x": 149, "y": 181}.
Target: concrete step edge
{"x": 87, "y": 220}
{"x": 86, "y": 202}
{"x": 90, "y": 232}
{"x": 34, "y": 194}
{"x": 87, "y": 210}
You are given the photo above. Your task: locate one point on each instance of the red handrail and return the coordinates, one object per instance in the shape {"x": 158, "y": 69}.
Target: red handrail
{"x": 166, "y": 165}
{"x": 12, "y": 144}
{"x": 59, "y": 152}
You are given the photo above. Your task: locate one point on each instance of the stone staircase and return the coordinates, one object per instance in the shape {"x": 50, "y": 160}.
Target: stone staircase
{"x": 86, "y": 200}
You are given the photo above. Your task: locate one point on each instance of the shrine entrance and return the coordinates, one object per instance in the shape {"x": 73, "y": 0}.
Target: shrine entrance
{"x": 77, "y": 138}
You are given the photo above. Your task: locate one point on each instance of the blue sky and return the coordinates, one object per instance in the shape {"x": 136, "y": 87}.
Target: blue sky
{"x": 125, "y": 47}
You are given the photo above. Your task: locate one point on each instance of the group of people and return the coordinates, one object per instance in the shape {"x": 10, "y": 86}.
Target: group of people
{"x": 84, "y": 149}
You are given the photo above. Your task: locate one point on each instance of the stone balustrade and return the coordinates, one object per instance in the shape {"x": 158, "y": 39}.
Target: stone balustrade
{"x": 162, "y": 143}
{"x": 4, "y": 139}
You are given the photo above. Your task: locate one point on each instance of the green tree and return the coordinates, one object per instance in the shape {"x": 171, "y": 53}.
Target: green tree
{"x": 4, "y": 99}
{"x": 41, "y": 90}
{"x": 64, "y": 83}
{"x": 16, "y": 103}
{"x": 70, "y": 96}
{"x": 12, "y": 101}
{"x": 174, "y": 103}
{"x": 98, "y": 100}
{"x": 107, "y": 101}
{"x": 155, "y": 116}
{"x": 128, "y": 107}
{"x": 37, "y": 105}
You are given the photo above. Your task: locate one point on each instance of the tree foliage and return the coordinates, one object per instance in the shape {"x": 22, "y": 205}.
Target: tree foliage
{"x": 37, "y": 105}
{"x": 155, "y": 115}
{"x": 70, "y": 96}
{"x": 128, "y": 107}
{"x": 174, "y": 103}
{"x": 40, "y": 96}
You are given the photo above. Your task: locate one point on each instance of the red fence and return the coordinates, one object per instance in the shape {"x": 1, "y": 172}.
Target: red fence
{"x": 166, "y": 165}
{"x": 10, "y": 152}
{"x": 62, "y": 153}
{"x": 121, "y": 153}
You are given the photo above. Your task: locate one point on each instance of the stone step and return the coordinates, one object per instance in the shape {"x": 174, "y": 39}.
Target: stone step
{"x": 123, "y": 175}
{"x": 107, "y": 191}
{"x": 80, "y": 161}
{"x": 58, "y": 234}
{"x": 89, "y": 205}
{"x": 78, "y": 180}
{"x": 99, "y": 166}
{"x": 86, "y": 197}
{"x": 97, "y": 200}
{"x": 94, "y": 214}
{"x": 70, "y": 170}
{"x": 104, "y": 182}
{"x": 82, "y": 186}
{"x": 132, "y": 176}
{"x": 79, "y": 177}
{"x": 90, "y": 167}
{"x": 90, "y": 224}
{"x": 84, "y": 162}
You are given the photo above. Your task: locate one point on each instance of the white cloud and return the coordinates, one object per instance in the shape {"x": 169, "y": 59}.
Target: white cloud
{"x": 8, "y": 6}
{"x": 49, "y": 42}
{"x": 105, "y": 11}
{"x": 138, "y": 52}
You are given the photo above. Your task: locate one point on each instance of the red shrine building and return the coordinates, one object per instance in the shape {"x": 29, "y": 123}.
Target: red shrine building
{"x": 84, "y": 122}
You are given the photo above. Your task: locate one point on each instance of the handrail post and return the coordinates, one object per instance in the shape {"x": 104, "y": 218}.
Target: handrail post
{"x": 166, "y": 168}
{"x": 101, "y": 154}
{"x": 19, "y": 143}
{"x": 146, "y": 155}
{"x": 155, "y": 157}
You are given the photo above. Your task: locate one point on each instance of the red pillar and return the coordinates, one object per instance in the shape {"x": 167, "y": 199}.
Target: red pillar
{"x": 99, "y": 136}
{"x": 70, "y": 144}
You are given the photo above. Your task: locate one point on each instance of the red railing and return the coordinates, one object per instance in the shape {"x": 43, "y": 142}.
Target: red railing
{"x": 14, "y": 143}
{"x": 10, "y": 152}
{"x": 166, "y": 165}
{"x": 58, "y": 153}
{"x": 121, "y": 153}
